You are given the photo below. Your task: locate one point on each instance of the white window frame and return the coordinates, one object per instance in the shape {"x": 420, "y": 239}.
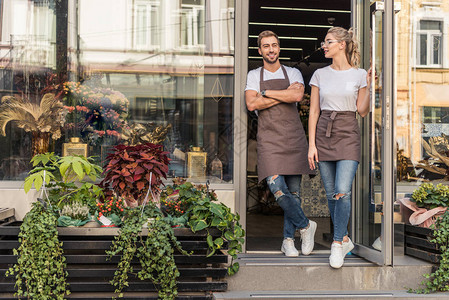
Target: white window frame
{"x": 227, "y": 16}
{"x": 191, "y": 12}
{"x": 427, "y": 13}
{"x": 147, "y": 30}
{"x": 430, "y": 35}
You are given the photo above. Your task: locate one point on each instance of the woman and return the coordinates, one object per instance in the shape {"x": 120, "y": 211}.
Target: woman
{"x": 339, "y": 91}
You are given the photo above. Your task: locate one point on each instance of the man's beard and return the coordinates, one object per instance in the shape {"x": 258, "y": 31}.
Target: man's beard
{"x": 267, "y": 59}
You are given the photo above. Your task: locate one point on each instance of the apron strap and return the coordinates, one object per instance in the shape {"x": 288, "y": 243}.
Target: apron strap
{"x": 330, "y": 123}
{"x": 283, "y": 71}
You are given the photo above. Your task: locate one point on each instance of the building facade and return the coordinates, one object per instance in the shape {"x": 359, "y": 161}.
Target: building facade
{"x": 179, "y": 67}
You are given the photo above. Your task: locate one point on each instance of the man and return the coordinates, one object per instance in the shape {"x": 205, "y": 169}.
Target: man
{"x": 273, "y": 91}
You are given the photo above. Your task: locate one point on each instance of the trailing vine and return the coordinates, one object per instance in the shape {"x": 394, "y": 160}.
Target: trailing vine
{"x": 438, "y": 281}
{"x": 157, "y": 259}
{"x": 39, "y": 270}
{"x": 155, "y": 252}
{"x": 126, "y": 244}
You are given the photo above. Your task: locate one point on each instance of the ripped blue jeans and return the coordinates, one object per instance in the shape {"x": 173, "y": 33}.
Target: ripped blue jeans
{"x": 286, "y": 190}
{"x": 337, "y": 177}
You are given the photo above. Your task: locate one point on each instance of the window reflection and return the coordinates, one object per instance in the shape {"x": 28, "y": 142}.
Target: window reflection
{"x": 422, "y": 89}
{"x": 130, "y": 73}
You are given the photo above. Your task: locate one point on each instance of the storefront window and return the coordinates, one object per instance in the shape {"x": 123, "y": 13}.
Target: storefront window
{"x": 125, "y": 73}
{"x": 422, "y": 95}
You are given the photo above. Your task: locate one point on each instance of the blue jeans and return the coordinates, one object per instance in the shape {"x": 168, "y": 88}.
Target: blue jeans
{"x": 286, "y": 190}
{"x": 337, "y": 178}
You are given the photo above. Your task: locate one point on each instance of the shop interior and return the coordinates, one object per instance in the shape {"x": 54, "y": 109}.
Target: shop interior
{"x": 301, "y": 26}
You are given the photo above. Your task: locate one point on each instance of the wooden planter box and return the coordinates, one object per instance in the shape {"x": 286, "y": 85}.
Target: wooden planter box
{"x": 89, "y": 272}
{"x": 417, "y": 244}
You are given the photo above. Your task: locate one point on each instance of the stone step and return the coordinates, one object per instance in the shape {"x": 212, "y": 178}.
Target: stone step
{"x": 347, "y": 295}
{"x": 275, "y": 272}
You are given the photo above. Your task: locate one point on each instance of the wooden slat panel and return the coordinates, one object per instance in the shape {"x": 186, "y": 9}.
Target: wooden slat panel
{"x": 141, "y": 286}
{"x": 181, "y": 233}
{"x": 104, "y": 245}
{"x": 414, "y": 242}
{"x": 101, "y": 259}
{"x": 417, "y": 230}
{"x": 424, "y": 255}
{"x": 97, "y": 272}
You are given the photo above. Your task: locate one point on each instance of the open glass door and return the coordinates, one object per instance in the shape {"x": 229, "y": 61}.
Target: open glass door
{"x": 373, "y": 207}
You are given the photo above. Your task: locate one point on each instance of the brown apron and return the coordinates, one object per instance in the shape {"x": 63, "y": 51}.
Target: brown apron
{"x": 338, "y": 136}
{"x": 281, "y": 143}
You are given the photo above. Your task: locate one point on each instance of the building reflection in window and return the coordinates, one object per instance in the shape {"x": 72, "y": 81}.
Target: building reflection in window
{"x": 163, "y": 57}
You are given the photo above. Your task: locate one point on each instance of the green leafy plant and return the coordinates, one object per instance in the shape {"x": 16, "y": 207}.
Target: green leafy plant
{"x": 439, "y": 279}
{"x": 431, "y": 196}
{"x": 204, "y": 212}
{"x": 39, "y": 270}
{"x": 154, "y": 253}
{"x": 176, "y": 199}
{"x": 131, "y": 168}
{"x": 68, "y": 179}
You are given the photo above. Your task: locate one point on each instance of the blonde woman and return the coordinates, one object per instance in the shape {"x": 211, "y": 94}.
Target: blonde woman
{"x": 339, "y": 91}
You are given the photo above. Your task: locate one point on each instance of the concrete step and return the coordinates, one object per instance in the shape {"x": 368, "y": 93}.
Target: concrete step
{"x": 312, "y": 274}
{"x": 347, "y": 295}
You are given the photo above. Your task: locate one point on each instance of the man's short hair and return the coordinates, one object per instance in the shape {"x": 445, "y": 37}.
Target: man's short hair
{"x": 264, "y": 34}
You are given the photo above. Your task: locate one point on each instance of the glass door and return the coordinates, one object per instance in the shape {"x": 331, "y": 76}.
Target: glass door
{"x": 374, "y": 189}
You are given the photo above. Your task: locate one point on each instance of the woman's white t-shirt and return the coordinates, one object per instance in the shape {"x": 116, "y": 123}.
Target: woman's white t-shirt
{"x": 339, "y": 89}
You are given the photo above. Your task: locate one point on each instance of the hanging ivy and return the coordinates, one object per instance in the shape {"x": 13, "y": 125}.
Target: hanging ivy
{"x": 39, "y": 270}
{"x": 155, "y": 253}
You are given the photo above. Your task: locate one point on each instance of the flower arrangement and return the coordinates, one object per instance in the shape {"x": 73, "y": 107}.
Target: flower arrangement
{"x": 43, "y": 121}
{"x": 98, "y": 113}
{"x": 76, "y": 210}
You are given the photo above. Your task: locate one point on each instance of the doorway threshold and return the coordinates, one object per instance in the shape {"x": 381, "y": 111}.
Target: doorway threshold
{"x": 277, "y": 258}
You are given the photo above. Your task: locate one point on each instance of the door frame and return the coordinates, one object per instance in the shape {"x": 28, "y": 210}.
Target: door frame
{"x": 240, "y": 112}
{"x": 359, "y": 9}
{"x": 388, "y": 148}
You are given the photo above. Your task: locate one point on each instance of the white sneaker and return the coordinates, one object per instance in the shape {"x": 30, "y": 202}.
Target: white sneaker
{"x": 377, "y": 244}
{"x": 347, "y": 246}
{"x": 337, "y": 257}
{"x": 308, "y": 238}
{"x": 288, "y": 247}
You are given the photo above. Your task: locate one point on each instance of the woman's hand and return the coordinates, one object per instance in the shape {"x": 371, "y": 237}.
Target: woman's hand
{"x": 313, "y": 157}
{"x": 369, "y": 76}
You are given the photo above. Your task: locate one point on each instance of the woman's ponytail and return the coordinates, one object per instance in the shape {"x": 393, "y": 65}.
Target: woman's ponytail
{"x": 352, "y": 46}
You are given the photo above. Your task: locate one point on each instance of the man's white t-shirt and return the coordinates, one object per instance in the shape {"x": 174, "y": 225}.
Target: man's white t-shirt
{"x": 253, "y": 79}
{"x": 339, "y": 89}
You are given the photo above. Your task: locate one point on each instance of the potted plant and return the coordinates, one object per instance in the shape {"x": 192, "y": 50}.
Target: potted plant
{"x": 430, "y": 196}
{"x": 199, "y": 206}
{"x": 111, "y": 211}
{"x": 67, "y": 179}
{"x": 132, "y": 171}
{"x": 427, "y": 204}
{"x": 74, "y": 214}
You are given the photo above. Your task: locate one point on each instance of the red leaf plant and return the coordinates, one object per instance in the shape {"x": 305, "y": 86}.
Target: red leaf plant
{"x": 130, "y": 168}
